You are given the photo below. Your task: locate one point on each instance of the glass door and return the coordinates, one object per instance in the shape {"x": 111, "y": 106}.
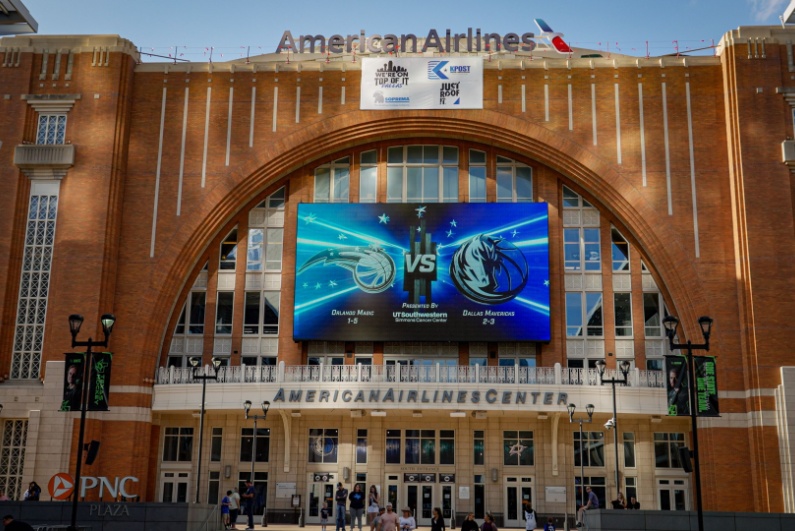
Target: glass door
{"x": 517, "y": 489}
{"x": 174, "y": 487}
{"x": 673, "y": 494}
{"x": 320, "y": 491}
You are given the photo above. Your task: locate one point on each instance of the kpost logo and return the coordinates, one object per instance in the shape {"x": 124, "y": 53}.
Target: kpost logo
{"x": 441, "y": 70}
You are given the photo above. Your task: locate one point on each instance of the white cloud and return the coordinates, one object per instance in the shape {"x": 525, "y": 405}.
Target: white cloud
{"x": 767, "y": 10}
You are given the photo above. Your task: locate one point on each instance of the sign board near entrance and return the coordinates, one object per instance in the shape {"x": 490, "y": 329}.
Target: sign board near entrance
{"x": 285, "y": 490}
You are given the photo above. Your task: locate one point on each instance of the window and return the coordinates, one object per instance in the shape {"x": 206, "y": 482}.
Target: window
{"x": 178, "y": 444}
{"x": 420, "y": 447}
{"x": 368, "y": 176}
{"x": 34, "y": 284}
{"x": 223, "y": 312}
{"x": 654, "y": 364}
{"x": 593, "y": 448}
{"x": 622, "y": 308}
{"x": 191, "y": 320}
{"x": 216, "y": 443}
{"x": 630, "y": 488}
{"x": 514, "y": 181}
{"x": 584, "y": 319}
{"x": 666, "y": 449}
{"x": 228, "y": 258}
{"x": 361, "y": 447}
{"x": 259, "y": 446}
{"x": 477, "y": 176}
{"x": 479, "y": 448}
{"x": 629, "y": 451}
{"x": 213, "y": 487}
{"x": 270, "y": 239}
{"x": 261, "y": 315}
{"x": 517, "y": 448}
{"x": 332, "y": 181}
{"x": 652, "y": 316}
{"x": 51, "y": 129}
{"x": 581, "y": 249}
{"x": 323, "y": 445}
{"x": 12, "y": 448}
{"x": 619, "y": 251}
{"x": 422, "y": 174}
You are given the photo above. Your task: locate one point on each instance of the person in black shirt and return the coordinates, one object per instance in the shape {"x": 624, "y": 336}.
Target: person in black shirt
{"x": 470, "y": 524}
{"x": 437, "y": 522}
{"x": 341, "y": 498}
{"x": 357, "y": 506}
{"x": 15, "y": 525}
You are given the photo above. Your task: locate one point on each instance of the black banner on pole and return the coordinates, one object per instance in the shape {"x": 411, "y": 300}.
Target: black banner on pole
{"x": 677, "y": 382}
{"x": 707, "y": 387}
{"x": 677, "y": 386}
{"x": 99, "y": 382}
{"x": 73, "y": 381}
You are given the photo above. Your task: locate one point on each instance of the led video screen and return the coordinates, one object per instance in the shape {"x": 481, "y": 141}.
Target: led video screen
{"x": 422, "y": 272}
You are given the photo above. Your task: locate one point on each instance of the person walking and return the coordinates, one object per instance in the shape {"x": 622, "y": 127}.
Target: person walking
{"x": 389, "y": 520}
{"x": 469, "y": 523}
{"x": 341, "y": 498}
{"x": 248, "y": 500}
{"x": 488, "y": 523}
{"x": 437, "y": 522}
{"x": 357, "y": 506}
{"x": 407, "y": 522}
{"x": 372, "y": 505}
{"x": 375, "y": 525}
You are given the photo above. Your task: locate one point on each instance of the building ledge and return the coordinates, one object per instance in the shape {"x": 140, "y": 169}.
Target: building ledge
{"x": 44, "y": 161}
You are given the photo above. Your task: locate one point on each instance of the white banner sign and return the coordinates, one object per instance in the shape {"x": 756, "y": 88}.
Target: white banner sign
{"x": 422, "y": 83}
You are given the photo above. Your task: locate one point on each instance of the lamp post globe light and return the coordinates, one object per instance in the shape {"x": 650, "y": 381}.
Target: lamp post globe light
{"x": 589, "y": 410}
{"x": 75, "y": 323}
{"x": 247, "y": 408}
{"x": 624, "y": 368}
{"x": 200, "y": 373}
{"x": 671, "y": 324}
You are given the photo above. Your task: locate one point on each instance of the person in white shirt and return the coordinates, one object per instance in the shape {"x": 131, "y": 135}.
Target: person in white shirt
{"x": 407, "y": 522}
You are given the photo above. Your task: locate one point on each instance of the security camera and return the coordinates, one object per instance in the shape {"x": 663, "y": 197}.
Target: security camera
{"x": 609, "y": 424}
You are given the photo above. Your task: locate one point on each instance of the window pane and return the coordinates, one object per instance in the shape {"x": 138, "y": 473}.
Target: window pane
{"x": 651, "y": 314}
{"x": 477, "y": 184}
{"x": 223, "y": 314}
{"x": 196, "y": 325}
{"x": 504, "y": 184}
{"x": 413, "y": 184}
{"x": 270, "y": 315}
{"x": 414, "y": 155}
{"x": 623, "y": 314}
{"x": 430, "y": 188}
{"x": 394, "y": 184}
{"x": 367, "y": 184}
{"x": 450, "y": 155}
{"x": 395, "y": 155}
{"x": 477, "y": 157}
{"x": 594, "y": 305}
{"x": 368, "y": 157}
{"x": 251, "y": 313}
{"x": 322, "y": 185}
{"x": 341, "y": 179}
{"x": 574, "y": 315}
{"x": 255, "y": 242}
{"x": 620, "y": 251}
{"x": 450, "y": 184}
{"x": 524, "y": 184}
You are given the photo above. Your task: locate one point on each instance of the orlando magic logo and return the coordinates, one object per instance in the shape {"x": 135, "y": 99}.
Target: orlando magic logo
{"x": 373, "y": 270}
{"x": 489, "y": 270}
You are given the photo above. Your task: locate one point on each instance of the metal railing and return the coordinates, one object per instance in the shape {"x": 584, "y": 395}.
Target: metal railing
{"x": 431, "y": 374}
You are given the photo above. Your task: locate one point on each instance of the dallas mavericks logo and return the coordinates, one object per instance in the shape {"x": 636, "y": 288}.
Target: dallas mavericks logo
{"x": 489, "y": 270}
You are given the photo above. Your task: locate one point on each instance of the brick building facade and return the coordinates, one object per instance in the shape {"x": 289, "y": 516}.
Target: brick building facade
{"x": 137, "y": 189}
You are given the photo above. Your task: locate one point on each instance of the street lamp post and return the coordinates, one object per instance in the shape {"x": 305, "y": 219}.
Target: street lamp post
{"x": 624, "y": 368}
{"x": 216, "y": 366}
{"x": 247, "y": 407}
{"x": 588, "y": 409}
{"x": 671, "y": 324}
{"x": 75, "y": 322}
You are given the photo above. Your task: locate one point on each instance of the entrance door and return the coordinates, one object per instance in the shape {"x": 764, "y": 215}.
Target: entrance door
{"x": 320, "y": 491}
{"x": 517, "y": 489}
{"x": 174, "y": 487}
{"x": 421, "y": 498}
{"x": 391, "y": 494}
{"x": 673, "y": 495}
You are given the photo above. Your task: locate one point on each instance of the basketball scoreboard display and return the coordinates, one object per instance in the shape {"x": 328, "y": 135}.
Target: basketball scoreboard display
{"x": 422, "y": 272}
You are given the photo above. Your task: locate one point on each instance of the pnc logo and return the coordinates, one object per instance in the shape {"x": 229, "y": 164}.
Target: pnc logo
{"x": 61, "y": 486}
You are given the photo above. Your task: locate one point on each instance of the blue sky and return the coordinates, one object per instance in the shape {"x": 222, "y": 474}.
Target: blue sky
{"x": 232, "y": 27}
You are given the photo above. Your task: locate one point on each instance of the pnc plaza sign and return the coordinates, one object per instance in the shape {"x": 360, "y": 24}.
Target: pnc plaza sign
{"x": 62, "y": 485}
